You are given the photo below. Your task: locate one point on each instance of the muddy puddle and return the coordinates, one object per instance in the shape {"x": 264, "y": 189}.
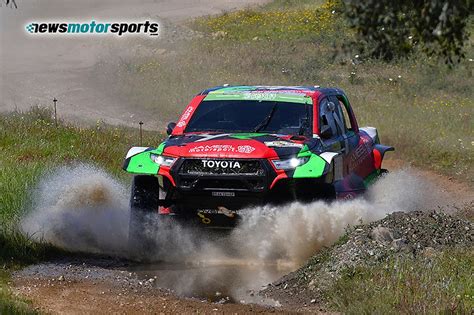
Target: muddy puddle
{"x": 90, "y": 214}
{"x": 221, "y": 282}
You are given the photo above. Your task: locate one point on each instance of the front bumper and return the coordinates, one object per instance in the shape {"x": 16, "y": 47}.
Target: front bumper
{"x": 256, "y": 182}
{"x": 204, "y": 187}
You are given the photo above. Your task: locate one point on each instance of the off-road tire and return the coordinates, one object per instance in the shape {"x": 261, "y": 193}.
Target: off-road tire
{"x": 143, "y": 215}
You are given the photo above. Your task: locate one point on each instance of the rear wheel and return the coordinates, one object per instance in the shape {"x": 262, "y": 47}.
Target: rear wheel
{"x": 143, "y": 214}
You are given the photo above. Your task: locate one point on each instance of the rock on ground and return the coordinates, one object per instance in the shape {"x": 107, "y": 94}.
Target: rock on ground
{"x": 397, "y": 235}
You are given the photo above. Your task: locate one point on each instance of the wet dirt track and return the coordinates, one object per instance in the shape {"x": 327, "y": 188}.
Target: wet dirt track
{"x": 222, "y": 284}
{"x": 99, "y": 285}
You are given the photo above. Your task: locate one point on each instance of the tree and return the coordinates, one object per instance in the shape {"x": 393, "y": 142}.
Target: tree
{"x": 389, "y": 29}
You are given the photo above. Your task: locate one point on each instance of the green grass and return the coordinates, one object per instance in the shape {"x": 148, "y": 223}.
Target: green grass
{"x": 10, "y": 304}
{"x": 442, "y": 284}
{"x": 421, "y": 107}
{"x": 30, "y": 145}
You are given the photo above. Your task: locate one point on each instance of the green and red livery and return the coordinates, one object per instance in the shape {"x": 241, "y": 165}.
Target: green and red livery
{"x": 239, "y": 146}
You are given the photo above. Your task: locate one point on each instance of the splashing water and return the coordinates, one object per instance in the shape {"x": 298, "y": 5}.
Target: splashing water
{"x": 79, "y": 208}
{"x": 82, "y": 208}
{"x": 296, "y": 231}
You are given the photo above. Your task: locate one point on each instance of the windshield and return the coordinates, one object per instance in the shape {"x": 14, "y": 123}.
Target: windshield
{"x": 236, "y": 116}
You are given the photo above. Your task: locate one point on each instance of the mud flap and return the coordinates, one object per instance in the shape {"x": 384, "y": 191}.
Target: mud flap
{"x": 379, "y": 152}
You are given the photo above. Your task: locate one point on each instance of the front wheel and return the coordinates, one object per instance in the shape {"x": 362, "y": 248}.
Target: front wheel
{"x": 143, "y": 215}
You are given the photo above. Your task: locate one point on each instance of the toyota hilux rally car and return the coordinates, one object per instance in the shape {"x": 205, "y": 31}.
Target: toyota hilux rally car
{"x": 238, "y": 146}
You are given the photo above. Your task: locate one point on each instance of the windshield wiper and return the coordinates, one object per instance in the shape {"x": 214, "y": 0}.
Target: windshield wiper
{"x": 304, "y": 124}
{"x": 267, "y": 119}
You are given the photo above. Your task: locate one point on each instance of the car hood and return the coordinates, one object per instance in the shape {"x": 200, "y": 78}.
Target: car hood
{"x": 235, "y": 146}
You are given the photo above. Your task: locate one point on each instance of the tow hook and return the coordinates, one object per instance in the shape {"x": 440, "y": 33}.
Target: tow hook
{"x": 226, "y": 212}
{"x": 204, "y": 219}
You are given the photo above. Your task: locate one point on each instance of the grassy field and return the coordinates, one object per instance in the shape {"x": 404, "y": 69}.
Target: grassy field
{"x": 419, "y": 105}
{"x": 434, "y": 285}
{"x": 31, "y": 145}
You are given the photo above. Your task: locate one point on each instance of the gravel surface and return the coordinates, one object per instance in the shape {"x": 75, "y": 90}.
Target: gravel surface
{"x": 106, "y": 270}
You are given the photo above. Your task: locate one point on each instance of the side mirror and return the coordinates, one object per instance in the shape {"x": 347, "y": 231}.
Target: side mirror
{"x": 170, "y": 127}
{"x": 326, "y": 132}
{"x": 331, "y": 106}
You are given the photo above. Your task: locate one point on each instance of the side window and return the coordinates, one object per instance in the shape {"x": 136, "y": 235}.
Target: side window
{"x": 326, "y": 117}
{"x": 346, "y": 117}
{"x": 338, "y": 115}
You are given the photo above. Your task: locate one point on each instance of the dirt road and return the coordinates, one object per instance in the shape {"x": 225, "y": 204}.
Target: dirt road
{"x": 98, "y": 286}
{"x": 86, "y": 297}
{"x": 35, "y": 70}
{"x": 89, "y": 284}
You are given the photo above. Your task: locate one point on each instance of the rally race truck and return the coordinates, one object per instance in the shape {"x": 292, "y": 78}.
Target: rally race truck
{"x": 235, "y": 147}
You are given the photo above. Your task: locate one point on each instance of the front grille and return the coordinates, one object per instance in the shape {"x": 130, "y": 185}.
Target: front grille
{"x": 223, "y": 174}
{"x": 221, "y": 167}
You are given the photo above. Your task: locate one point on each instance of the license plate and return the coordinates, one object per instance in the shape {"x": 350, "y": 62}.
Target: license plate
{"x": 223, "y": 194}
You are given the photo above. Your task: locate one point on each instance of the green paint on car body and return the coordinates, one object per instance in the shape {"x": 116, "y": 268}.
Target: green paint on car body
{"x": 371, "y": 178}
{"x": 160, "y": 148}
{"x": 313, "y": 168}
{"x": 245, "y": 136}
{"x": 304, "y": 151}
{"x": 266, "y": 96}
{"x": 141, "y": 163}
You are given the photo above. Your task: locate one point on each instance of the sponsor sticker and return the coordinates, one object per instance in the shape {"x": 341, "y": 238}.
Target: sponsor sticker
{"x": 184, "y": 118}
{"x": 260, "y": 96}
{"x": 204, "y": 219}
{"x": 204, "y": 213}
{"x": 245, "y": 149}
{"x": 360, "y": 154}
{"x": 213, "y": 148}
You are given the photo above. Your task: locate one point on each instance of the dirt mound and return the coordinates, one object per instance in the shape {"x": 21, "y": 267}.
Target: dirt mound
{"x": 400, "y": 234}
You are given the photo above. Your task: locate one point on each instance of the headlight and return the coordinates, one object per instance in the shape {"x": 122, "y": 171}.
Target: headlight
{"x": 290, "y": 164}
{"x": 162, "y": 159}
